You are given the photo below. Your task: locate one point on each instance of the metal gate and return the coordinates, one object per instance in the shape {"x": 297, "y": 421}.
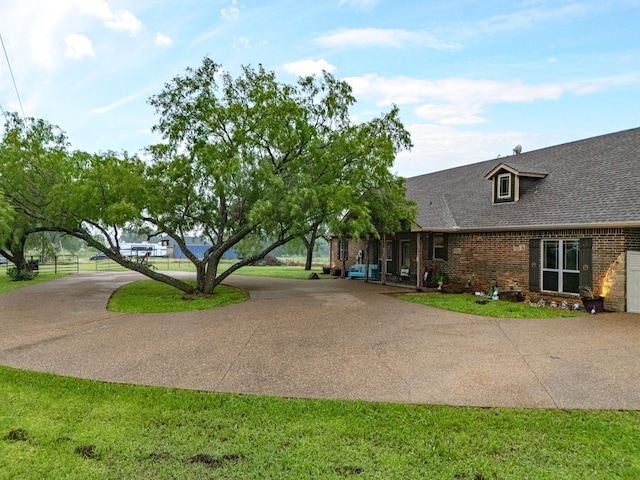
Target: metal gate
{"x": 633, "y": 282}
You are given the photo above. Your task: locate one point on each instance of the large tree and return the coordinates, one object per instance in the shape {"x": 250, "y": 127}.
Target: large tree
{"x": 247, "y": 159}
{"x": 245, "y": 162}
{"x": 32, "y": 159}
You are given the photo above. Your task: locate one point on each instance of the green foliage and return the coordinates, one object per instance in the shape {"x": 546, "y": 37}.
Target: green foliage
{"x": 439, "y": 277}
{"x": 472, "y": 304}
{"x": 17, "y": 275}
{"x": 60, "y": 427}
{"x": 147, "y": 296}
{"x": 253, "y": 163}
{"x": 6, "y": 218}
{"x": 245, "y": 162}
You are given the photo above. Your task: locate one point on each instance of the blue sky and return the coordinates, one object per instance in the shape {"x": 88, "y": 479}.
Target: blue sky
{"x": 471, "y": 78}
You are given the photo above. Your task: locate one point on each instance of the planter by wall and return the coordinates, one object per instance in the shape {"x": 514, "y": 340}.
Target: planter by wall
{"x": 593, "y": 303}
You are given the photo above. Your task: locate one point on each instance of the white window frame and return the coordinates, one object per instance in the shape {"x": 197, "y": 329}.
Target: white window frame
{"x": 561, "y": 264}
{"x": 438, "y": 249}
{"x": 405, "y": 262}
{"x": 499, "y": 179}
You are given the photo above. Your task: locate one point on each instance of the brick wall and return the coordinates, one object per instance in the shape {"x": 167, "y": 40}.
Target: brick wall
{"x": 353, "y": 247}
{"x": 481, "y": 260}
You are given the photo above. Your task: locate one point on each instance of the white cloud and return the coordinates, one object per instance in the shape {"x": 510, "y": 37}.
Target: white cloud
{"x": 438, "y": 147}
{"x": 377, "y": 37}
{"x": 584, "y": 87}
{"x": 122, "y": 20}
{"x": 118, "y": 103}
{"x": 241, "y": 43}
{"x": 308, "y": 67}
{"x": 162, "y": 40}
{"x": 231, "y": 13}
{"x": 78, "y": 47}
{"x": 452, "y": 101}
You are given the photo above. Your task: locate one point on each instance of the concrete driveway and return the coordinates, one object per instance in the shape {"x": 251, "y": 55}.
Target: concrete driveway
{"x": 330, "y": 338}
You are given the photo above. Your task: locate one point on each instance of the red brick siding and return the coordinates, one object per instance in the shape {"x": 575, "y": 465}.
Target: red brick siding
{"x": 480, "y": 260}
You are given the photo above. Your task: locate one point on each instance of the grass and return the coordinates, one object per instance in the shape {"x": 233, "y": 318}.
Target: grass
{"x": 150, "y": 296}
{"x": 292, "y": 272}
{"x": 466, "y": 303}
{"x": 58, "y": 427}
{"x": 7, "y": 285}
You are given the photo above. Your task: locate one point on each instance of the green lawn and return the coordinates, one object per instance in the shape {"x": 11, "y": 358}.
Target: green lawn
{"x": 6, "y": 284}
{"x": 56, "y": 427}
{"x": 149, "y": 296}
{"x": 466, "y": 303}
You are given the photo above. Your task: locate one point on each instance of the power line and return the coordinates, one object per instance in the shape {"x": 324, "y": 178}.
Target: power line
{"x": 12, "y": 77}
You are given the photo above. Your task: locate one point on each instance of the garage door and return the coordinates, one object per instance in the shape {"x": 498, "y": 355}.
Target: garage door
{"x": 633, "y": 282}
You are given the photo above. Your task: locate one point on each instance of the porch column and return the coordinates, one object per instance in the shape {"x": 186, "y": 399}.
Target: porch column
{"x": 383, "y": 279}
{"x": 418, "y": 262}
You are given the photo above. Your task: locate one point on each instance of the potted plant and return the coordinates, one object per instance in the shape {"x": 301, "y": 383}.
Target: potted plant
{"x": 439, "y": 278}
{"x": 592, "y": 302}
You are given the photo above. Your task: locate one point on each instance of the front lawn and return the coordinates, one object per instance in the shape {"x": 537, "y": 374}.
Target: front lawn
{"x": 7, "y": 285}
{"x": 150, "y": 296}
{"x": 466, "y": 303}
{"x": 55, "y": 427}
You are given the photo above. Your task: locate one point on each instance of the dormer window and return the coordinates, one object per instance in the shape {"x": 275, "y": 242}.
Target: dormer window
{"x": 504, "y": 186}
{"x": 509, "y": 184}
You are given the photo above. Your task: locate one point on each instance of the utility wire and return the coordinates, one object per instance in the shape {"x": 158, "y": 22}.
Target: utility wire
{"x": 12, "y": 77}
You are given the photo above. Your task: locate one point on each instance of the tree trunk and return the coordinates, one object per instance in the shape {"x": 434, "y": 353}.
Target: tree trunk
{"x": 15, "y": 253}
{"x": 310, "y": 244}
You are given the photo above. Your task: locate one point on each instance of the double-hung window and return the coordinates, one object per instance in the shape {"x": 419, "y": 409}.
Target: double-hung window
{"x": 405, "y": 249}
{"x": 438, "y": 245}
{"x": 560, "y": 266}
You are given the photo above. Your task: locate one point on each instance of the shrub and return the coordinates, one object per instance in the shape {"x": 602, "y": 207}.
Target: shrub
{"x": 20, "y": 275}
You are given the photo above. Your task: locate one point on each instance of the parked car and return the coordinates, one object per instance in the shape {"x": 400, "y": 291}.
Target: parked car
{"x": 3, "y": 261}
{"x": 99, "y": 256}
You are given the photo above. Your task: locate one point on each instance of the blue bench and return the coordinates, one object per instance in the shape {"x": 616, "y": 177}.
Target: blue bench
{"x": 357, "y": 271}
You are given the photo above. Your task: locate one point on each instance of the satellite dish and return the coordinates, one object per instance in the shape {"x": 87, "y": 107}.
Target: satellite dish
{"x": 517, "y": 150}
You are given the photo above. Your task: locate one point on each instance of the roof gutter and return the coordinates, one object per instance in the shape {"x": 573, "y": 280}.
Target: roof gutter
{"x": 519, "y": 228}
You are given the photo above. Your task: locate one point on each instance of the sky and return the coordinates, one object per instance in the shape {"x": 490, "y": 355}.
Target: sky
{"x": 472, "y": 79}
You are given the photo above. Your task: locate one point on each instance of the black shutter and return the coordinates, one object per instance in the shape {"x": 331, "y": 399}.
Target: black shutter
{"x": 430, "y": 247}
{"x": 534, "y": 265}
{"x": 445, "y": 246}
{"x": 585, "y": 257}
{"x": 343, "y": 250}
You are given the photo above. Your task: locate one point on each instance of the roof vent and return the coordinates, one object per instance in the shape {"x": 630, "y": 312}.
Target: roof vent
{"x": 517, "y": 150}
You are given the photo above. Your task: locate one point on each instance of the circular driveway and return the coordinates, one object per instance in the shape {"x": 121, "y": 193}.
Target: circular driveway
{"x": 330, "y": 338}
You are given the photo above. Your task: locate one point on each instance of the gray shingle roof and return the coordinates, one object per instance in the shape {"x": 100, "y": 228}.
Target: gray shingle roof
{"x": 592, "y": 182}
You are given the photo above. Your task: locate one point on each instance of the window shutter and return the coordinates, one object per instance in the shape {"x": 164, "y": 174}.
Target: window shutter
{"x": 534, "y": 265}
{"x": 585, "y": 257}
{"x": 445, "y": 246}
{"x": 343, "y": 250}
{"x": 430, "y": 247}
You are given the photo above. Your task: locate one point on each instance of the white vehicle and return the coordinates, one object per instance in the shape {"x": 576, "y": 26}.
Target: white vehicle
{"x": 143, "y": 249}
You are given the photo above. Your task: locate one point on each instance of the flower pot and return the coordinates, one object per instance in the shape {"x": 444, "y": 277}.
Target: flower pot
{"x": 593, "y": 303}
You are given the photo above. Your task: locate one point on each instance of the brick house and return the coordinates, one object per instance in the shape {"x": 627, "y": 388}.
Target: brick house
{"x": 544, "y": 222}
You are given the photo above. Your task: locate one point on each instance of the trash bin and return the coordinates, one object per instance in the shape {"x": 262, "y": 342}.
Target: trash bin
{"x": 33, "y": 265}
